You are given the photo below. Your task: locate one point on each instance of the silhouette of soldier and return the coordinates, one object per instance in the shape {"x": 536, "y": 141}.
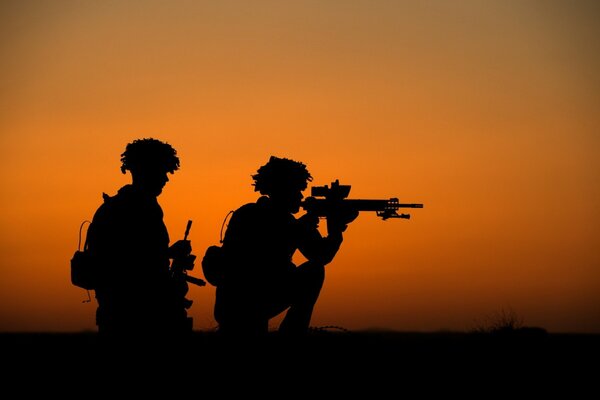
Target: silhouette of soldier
{"x": 130, "y": 244}
{"x": 260, "y": 280}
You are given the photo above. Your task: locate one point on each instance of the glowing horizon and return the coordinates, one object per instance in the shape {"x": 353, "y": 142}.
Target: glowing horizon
{"x": 486, "y": 113}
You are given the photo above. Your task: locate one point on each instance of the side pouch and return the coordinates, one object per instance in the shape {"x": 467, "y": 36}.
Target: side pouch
{"x": 213, "y": 265}
{"x": 83, "y": 270}
{"x": 83, "y": 267}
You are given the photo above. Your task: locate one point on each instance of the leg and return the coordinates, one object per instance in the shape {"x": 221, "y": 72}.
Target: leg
{"x": 238, "y": 314}
{"x": 306, "y": 287}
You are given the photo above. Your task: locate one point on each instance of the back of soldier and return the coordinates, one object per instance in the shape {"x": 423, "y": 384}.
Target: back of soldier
{"x": 130, "y": 242}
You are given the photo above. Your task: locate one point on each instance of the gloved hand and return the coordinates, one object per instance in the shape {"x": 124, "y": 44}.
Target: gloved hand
{"x": 309, "y": 221}
{"x": 337, "y": 221}
{"x": 180, "y": 248}
{"x": 182, "y": 263}
{"x": 180, "y": 252}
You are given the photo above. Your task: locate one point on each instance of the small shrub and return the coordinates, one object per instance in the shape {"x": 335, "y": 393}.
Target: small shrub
{"x": 505, "y": 320}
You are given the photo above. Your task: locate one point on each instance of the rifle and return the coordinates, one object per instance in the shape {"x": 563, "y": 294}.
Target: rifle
{"x": 325, "y": 200}
{"x": 181, "y": 265}
{"x": 183, "y": 261}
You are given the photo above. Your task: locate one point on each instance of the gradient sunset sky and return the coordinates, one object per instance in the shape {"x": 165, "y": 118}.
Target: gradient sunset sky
{"x": 485, "y": 111}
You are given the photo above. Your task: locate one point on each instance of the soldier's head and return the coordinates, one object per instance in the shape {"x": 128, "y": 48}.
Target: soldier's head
{"x": 283, "y": 180}
{"x": 149, "y": 161}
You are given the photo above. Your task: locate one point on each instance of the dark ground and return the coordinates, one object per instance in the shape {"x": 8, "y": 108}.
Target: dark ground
{"x": 383, "y": 362}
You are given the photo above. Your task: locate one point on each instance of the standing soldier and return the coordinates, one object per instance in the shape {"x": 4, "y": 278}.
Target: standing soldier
{"x": 129, "y": 242}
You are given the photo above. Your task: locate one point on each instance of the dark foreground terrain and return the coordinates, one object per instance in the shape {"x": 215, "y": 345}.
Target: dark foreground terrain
{"x": 341, "y": 361}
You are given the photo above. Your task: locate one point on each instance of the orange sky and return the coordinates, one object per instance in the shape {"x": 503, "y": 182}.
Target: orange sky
{"x": 486, "y": 112}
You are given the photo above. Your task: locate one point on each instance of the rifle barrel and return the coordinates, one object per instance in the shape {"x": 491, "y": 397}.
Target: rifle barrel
{"x": 378, "y": 205}
{"x": 362, "y": 205}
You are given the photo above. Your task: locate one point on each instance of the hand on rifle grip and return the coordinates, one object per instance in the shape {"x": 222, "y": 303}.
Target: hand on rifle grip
{"x": 309, "y": 221}
{"x": 338, "y": 221}
{"x": 180, "y": 249}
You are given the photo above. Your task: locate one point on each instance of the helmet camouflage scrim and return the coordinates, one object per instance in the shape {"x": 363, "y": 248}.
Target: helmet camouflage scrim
{"x": 149, "y": 154}
{"x": 281, "y": 174}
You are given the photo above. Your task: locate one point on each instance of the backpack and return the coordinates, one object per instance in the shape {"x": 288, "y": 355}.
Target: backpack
{"x": 83, "y": 267}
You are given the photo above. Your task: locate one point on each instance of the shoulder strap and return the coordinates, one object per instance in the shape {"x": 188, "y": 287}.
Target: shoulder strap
{"x": 223, "y": 225}
{"x": 86, "y": 237}
{"x": 107, "y": 199}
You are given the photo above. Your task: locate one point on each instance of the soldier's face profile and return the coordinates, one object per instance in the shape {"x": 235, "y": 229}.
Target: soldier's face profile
{"x": 289, "y": 199}
{"x": 151, "y": 181}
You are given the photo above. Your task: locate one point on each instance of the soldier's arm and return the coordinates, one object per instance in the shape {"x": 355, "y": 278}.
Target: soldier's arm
{"x": 313, "y": 245}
